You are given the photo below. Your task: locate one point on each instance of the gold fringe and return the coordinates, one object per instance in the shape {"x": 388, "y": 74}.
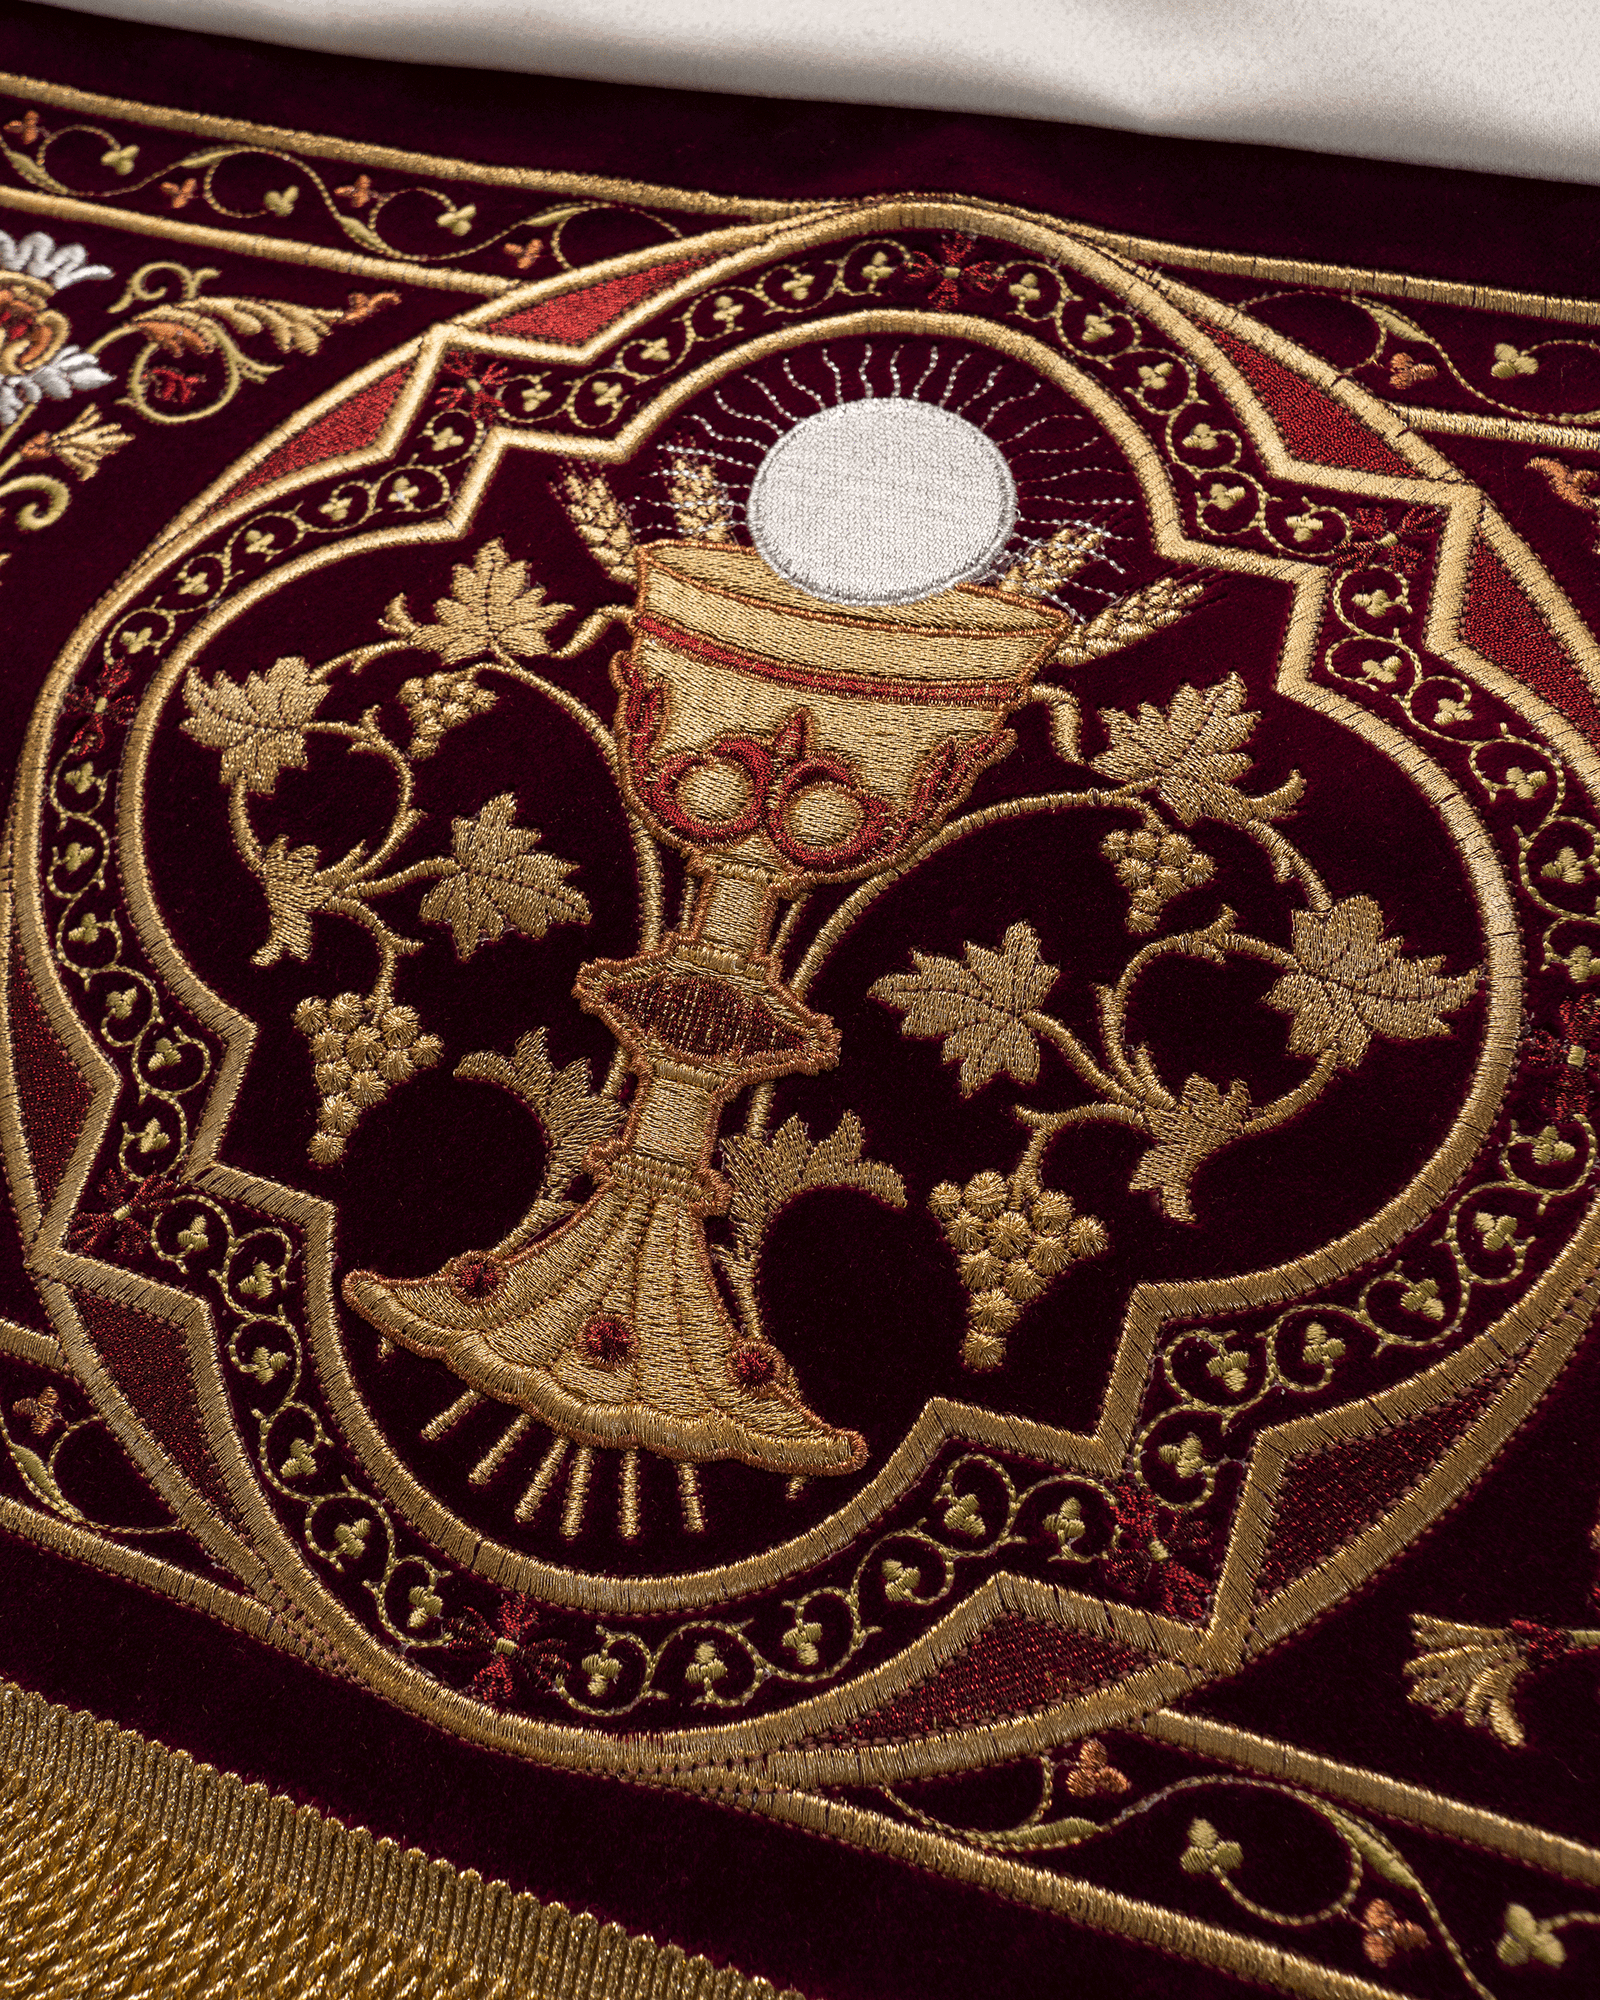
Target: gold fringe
{"x": 128, "y": 1869}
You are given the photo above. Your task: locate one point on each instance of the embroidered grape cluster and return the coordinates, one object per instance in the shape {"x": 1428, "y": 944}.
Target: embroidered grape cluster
{"x": 1153, "y": 868}
{"x": 1009, "y": 1246}
{"x": 437, "y": 702}
{"x": 361, "y": 1049}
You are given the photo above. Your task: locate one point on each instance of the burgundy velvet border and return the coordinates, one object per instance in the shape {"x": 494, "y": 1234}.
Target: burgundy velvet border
{"x": 1270, "y": 201}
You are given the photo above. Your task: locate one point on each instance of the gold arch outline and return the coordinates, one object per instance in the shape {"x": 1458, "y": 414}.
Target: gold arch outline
{"x": 1411, "y": 489}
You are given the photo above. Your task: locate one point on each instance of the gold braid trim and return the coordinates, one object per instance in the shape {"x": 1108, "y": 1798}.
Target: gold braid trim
{"x": 127, "y": 1869}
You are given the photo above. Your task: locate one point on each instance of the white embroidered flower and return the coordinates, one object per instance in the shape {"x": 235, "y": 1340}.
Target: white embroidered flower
{"x": 71, "y": 370}
{"x": 36, "y": 256}
{"x": 36, "y": 359}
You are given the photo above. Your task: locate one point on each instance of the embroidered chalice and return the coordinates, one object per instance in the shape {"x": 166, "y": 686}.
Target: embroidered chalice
{"x": 778, "y": 740}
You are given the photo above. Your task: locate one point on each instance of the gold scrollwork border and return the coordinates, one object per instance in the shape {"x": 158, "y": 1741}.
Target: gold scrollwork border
{"x": 199, "y": 236}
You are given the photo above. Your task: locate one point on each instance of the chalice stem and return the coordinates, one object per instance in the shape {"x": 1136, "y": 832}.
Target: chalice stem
{"x": 612, "y": 1328}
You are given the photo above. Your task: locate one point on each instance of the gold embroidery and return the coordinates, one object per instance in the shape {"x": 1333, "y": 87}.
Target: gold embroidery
{"x": 1011, "y": 1240}
{"x": 178, "y": 324}
{"x": 1473, "y": 1669}
{"x": 118, "y": 1849}
{"x": 1050, "y": 563}
{"x": 602, "y": 523}
{"x": 1351, "y": 983}
{"x": 765, "y": 1175}
{"x": 357, "y": 209}
{"x": 1368, "y": 1858}
{"x": 1375, "y": 1791}
{"x": 1191, "y": 756}
{"x": 270, "y": 138}
{"x": 612, "y": 1329}
{"x": 1344, "y": 278}
{"x": 495, "y": 877}
{"x": 699, "y": 501}
{"x": 82, "y": 446}
{"x": 576, "y": 1121}
{"x": 1342, "y": 981}
{"x": 1134, "y": 617}
{"x": 498, "y": 879}
{"x": 1482, "y": 874}
{"x": 492, "y": 610}
{"x": 181, "y": 322}
{"x": 1527, "y": 1941}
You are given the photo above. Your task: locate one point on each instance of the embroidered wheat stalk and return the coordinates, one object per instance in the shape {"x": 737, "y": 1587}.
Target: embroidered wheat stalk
{"x": 699, "y": 500}
{"x": 1051, "y": 563}
{"x": 597, "y": 515}
{"x": 1131, "y": 618}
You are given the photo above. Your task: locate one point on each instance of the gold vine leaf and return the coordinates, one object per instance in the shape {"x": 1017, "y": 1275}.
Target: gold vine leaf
{"x": 296, "y": 889}
{"x": 498, "y": 877}
{"x": 1352, "y": 983}
{"x": 203, "y": 325}
{"x": 980, "y": 1008}
{"x": 767, "y": 1174}
{"x": 492, "y": 607}
{"x": 1187, "y": 1134}
{"x": 259, "y": 725}
{"x": 574, "y": 1116}
{"x": 1192, "y": 755}
{"x": 1130, "y": 619}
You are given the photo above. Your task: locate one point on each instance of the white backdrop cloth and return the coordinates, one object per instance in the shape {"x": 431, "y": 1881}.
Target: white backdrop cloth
{"x": 1504, "y": 85}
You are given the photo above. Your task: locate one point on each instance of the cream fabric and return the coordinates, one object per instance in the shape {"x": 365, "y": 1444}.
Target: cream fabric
{"x": 1511, "y": 85}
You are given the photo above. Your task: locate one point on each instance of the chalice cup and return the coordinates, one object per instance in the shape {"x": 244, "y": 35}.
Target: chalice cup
{"x": 778, "y": 740}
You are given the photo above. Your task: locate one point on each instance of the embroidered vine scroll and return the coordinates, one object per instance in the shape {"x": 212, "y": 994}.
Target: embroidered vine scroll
{"x": 805, "y": 1016}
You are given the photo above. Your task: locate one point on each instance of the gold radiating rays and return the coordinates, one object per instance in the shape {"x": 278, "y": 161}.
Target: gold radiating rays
{"x": 584, "y": 1468}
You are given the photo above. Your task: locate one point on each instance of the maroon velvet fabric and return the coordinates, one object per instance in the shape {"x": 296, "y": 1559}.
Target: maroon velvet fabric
{"x": 837, "y": 1923}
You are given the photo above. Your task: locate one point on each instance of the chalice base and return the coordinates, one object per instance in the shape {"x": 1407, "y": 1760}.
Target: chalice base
{"x": 612, "y": 1331}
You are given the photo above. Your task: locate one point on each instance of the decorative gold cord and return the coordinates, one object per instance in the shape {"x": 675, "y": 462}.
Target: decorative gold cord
{"x": 128, "y": 1870}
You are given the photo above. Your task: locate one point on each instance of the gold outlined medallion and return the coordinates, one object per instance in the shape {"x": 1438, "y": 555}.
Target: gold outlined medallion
{"x": 835, "y": 764}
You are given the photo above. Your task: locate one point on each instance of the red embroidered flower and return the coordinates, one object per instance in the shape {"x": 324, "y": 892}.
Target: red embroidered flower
{"x": 509, "y": 1649}
{"x": 476, "y": 391}
{"x": 606, "y": 1341}
{"x": 951, "y": 272}
{"x": 1373, "y": 543}
{"x": 173, "y": 385}
{"x": 1571, "y": 1059}
{"x": 1149, "y": 1535}
{"x": 99, "y": 704}
{"x": 123, "y": 1222}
